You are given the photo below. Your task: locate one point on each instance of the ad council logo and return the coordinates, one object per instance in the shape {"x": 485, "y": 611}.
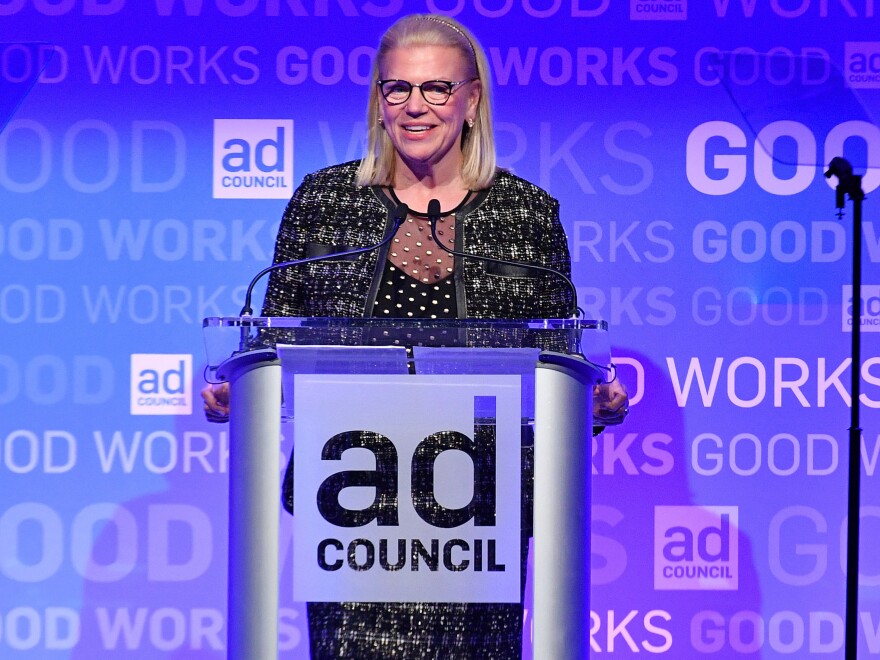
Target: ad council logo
{"x": 862, "y": 68}
{"x": 425, "y": 506}
{"x": 658, "y": 10}
{"x": 253, "y": 158}
{"x": 696, "y": 548}
{"x": 160, "y": 384}
{"x": 869, "y": 308}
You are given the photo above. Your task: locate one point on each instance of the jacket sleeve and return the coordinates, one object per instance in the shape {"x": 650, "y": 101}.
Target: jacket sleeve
{"x": 555, "y": 249}
{"x": 283, "y": 290}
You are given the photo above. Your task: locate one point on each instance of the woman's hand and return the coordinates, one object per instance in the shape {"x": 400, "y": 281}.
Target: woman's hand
{"x": 610, "y": 403}
{"x": 216, "y": 402}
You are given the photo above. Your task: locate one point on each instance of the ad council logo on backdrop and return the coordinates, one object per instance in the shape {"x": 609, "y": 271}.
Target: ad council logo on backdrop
{"x": 869, "y": 308}
{"x": 696, "y": 548}
{"x": 161, "y": 384}
{"x": 658, "y": 10}
{"x": 862, "y": 64}
{"x": 253, "y": 158}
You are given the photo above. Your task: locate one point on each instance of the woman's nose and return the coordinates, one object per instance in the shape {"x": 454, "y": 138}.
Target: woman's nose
{"x": 416, "y": 103}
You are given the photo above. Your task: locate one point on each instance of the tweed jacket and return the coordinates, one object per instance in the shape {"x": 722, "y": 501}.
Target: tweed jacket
{"x": 513, "y": 220}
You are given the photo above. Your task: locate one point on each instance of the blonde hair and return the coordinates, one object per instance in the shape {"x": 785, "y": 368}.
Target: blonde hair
{"x": 477, "y": 142}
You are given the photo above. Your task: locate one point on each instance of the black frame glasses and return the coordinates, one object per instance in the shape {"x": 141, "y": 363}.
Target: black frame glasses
{"x": 438, "y": 91}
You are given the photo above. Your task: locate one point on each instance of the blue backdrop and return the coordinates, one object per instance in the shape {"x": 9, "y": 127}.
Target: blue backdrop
{"x": 723, "y": 273}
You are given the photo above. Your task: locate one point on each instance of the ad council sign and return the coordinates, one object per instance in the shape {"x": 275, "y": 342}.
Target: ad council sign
{"x": 407, "y": 488}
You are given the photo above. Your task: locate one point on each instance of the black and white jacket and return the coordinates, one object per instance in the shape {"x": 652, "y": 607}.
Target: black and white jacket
{"x": 513, "y": 220}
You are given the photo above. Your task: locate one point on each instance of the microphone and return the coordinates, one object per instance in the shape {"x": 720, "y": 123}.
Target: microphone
{"x": 840, "y": 168}
{"x": 399, "y": 215}
{"x": 434, "y": 215}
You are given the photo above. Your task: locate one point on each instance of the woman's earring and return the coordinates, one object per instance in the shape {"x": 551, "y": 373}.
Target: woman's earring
{"x": 470, "y": 123}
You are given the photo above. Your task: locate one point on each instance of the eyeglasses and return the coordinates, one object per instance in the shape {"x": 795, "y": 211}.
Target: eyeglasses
{"x": 435, "y": 92}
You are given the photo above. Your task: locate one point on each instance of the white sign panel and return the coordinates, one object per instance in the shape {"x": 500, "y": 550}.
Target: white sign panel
{"x": 394, "y": 515}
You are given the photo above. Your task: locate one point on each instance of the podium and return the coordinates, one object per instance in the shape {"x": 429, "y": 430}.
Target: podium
{"x": 550, "y": 365}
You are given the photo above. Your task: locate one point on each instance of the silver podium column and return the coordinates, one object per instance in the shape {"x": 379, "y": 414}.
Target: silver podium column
{"x": 563, "y": 432}
{"x": 254, "y": 492}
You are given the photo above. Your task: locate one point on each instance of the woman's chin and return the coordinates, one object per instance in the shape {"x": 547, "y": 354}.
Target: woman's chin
{"x": 421, "y": 159}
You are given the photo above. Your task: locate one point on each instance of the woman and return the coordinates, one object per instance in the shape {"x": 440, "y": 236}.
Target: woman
{"x": 430, "y": 138}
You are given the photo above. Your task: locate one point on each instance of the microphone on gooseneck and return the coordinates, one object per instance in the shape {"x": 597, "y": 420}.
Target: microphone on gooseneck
{"x": 434, "y": 215}
{"x": 398, "y": 217}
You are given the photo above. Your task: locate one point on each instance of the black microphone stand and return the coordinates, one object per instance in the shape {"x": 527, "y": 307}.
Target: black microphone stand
{"x": 851, "y": 185}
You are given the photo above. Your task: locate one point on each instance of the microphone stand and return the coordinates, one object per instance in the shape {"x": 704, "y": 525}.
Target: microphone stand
{"x": 851, "y": 185}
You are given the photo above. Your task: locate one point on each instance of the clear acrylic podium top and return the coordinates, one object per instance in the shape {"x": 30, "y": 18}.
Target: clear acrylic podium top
{"x": 229, "y": 335}
{"x": 341, "y": 345}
